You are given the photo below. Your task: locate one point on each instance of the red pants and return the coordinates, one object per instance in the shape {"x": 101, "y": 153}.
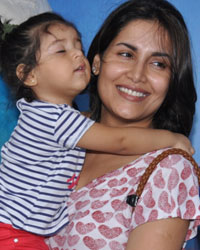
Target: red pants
{"x": 15, "y": 239}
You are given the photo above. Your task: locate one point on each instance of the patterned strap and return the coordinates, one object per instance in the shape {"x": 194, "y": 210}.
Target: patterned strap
{"x": 132, "y": 199}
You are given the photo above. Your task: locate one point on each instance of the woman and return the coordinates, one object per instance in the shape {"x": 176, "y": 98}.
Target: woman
{"x": 142, "y": 77}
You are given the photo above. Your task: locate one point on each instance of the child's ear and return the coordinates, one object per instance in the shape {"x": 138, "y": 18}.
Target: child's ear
{"x": 30, "y": 80}
{"x": 96, "y": 65}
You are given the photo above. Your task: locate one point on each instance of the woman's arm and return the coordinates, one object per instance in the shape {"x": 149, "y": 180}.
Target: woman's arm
{"x": 165, "y": 234}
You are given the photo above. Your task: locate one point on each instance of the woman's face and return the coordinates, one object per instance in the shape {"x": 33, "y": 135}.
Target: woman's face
{"x": 134, "y": 74}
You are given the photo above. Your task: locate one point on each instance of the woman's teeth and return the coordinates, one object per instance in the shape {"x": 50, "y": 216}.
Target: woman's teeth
{"x": 131, "y": 92}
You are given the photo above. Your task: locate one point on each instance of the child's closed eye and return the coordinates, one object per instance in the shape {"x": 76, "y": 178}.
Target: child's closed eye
{"x": 61, "y": 51}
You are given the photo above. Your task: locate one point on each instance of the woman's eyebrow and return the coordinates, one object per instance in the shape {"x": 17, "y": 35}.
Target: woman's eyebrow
{"x": 159, "y": 54}
{"x": 128, "y": 46}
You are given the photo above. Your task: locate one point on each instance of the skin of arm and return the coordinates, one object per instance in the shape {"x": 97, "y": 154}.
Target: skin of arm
{"x": 131, "y": 140}
{"x": 165, "y": 234}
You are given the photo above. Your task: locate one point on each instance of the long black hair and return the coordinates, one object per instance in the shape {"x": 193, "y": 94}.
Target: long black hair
{"x": 177, "y": 111}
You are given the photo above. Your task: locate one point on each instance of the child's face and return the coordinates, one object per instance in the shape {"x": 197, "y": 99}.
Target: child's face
{"x": 62, "y": 71}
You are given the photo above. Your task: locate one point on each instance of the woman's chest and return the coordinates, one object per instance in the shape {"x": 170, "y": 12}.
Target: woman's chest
{"x": 97, "y": 165}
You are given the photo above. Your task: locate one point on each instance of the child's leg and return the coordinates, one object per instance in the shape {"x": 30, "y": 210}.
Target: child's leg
{"x": 14, "y": 239}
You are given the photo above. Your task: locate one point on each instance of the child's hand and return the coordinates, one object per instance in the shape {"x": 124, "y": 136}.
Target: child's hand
{"x": 184, "y": 143}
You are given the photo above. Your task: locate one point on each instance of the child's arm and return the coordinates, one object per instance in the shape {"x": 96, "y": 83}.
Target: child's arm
{"x": 131, "y": 140}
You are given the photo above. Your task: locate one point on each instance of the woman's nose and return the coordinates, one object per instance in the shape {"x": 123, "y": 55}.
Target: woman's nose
{"x": 138, "y": 73}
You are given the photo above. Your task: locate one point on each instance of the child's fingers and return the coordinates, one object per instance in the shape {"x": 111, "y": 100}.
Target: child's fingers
{"x": 192, "y": 150}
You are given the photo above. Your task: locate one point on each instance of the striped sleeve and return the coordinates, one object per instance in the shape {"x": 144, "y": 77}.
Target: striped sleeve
{"x": 70, "y": 127}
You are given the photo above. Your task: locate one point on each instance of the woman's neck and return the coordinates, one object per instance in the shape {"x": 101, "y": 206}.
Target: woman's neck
{"x": 114, "y": 121}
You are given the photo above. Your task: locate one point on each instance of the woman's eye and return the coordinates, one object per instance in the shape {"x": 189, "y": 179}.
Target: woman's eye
{"x": 161, "y": 65}
{"x": 125, "y": 54}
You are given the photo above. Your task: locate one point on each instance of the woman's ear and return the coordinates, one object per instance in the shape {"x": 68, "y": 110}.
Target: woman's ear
{"x": 30, "y": 80}
{"x": 96, "y": 65}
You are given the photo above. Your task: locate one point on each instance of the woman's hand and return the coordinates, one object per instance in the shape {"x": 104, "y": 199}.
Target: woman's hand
{"x": 165, "y": 234}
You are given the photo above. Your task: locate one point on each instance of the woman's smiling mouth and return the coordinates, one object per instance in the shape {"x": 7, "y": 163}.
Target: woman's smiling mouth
{"x": 134, "y": 93}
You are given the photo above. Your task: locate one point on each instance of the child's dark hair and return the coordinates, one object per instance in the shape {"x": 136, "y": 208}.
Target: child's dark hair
{"x": 20, "y": 46}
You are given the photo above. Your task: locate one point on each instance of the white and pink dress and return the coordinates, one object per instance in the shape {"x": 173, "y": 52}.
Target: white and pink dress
{"x": 100, "y": 217}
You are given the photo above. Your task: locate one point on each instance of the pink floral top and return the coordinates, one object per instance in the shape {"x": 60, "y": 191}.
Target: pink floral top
{"x": 100, "y": 217}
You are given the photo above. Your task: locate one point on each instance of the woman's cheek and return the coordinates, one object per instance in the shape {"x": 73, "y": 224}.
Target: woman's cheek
{"x": 112, "y": 71}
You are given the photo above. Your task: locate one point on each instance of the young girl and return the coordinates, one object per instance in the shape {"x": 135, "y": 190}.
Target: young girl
{"x": 43, "y": 63}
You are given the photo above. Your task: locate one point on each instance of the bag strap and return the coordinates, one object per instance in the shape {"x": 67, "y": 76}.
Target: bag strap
{"x": 133, "y": 199}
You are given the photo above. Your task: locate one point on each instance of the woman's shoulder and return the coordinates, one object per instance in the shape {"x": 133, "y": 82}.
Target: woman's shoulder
{"x": 169, "y": 158}
{"x": 172, "y": 162}
{"x": 168, "y": 170}
{"x": 173, "y": 158}
{"x": 172, "y": 187}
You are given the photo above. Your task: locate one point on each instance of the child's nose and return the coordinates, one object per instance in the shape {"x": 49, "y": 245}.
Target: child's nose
{"x": 78, "y": 53}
